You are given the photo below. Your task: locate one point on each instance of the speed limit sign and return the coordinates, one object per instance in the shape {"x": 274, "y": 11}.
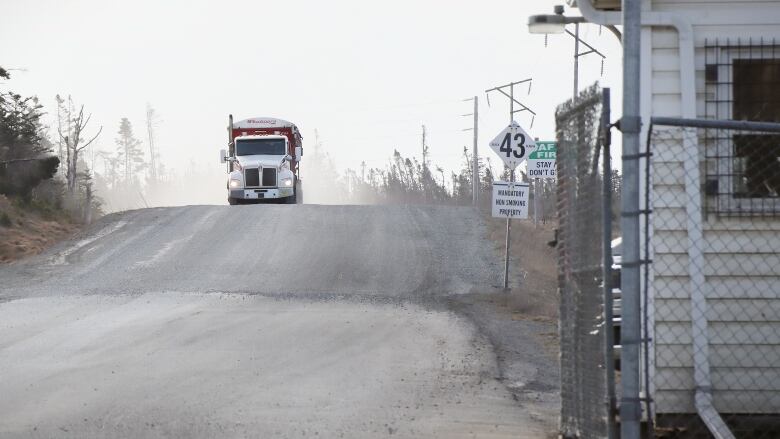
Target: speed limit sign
{"x": 513, "y": 145}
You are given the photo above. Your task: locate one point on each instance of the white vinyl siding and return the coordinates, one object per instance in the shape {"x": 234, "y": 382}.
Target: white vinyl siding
{"x": 742, "y": 256}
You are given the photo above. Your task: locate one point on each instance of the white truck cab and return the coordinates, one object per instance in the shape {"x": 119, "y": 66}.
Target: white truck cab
{"x": 260, "y": 166}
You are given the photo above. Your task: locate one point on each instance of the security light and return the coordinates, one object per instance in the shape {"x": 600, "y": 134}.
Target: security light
{"x": 551, "y": 23}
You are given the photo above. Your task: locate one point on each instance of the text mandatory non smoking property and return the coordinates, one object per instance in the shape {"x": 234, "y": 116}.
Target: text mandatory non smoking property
{"x": 510, "y": 200}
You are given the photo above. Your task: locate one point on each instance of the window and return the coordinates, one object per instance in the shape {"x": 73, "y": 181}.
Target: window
{"x": 742, "y": 82}
{"x": 260, "y": 147}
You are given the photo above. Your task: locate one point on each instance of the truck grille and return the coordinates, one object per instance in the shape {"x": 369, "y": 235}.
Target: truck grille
{"x": 252, "y": 177}
{"x": 269, "y": 176}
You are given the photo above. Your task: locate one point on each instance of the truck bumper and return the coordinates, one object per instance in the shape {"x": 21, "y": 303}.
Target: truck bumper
{"x": 260, "y": 194}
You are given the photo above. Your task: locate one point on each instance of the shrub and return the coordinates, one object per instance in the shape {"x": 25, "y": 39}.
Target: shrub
{"x": 5, "y": 220}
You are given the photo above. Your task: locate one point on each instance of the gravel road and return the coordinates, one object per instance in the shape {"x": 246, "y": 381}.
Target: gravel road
{"x": 263, "y": 321}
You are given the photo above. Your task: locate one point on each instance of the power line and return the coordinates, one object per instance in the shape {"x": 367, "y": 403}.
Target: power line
{"x": 512, "y": 100}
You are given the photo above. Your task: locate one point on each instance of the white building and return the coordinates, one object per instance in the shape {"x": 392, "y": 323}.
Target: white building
{"x": 714, "y": 283}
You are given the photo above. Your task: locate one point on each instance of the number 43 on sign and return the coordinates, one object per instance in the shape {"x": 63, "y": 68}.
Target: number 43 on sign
{"x": 513, "y": 145}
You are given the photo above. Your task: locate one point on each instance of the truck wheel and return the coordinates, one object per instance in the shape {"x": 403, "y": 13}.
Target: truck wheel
{"x": 291, "y": 200}
{"x": 232, "y": 201}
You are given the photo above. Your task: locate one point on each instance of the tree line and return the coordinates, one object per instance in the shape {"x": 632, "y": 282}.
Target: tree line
{"x": 59, "y": 167}
{"x": 409, "y": 180}
{"x": 89, "y": 180}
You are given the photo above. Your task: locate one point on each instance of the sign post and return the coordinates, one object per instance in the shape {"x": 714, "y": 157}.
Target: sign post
{"x": 513, "y": 144}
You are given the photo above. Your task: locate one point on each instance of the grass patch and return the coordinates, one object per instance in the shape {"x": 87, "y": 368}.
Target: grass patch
{"x": 532, "y": 268}
{"x": 5, "y": 220}
{"x": 42, "y": 209}
{"x": 29, "y": 227}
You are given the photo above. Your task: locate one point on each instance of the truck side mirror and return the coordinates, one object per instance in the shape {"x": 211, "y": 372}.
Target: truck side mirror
{"x": 222, "y": 156}
{"x": 288, "y": 157}
{"x": 298, "y": 153}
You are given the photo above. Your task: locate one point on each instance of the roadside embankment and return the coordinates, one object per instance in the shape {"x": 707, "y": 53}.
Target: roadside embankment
{"x": 533, "y": 278}
{"x": 28, "y": 229}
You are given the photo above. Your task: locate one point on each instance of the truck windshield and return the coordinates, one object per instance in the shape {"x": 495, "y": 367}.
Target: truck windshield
{"x": 260, "y": 147}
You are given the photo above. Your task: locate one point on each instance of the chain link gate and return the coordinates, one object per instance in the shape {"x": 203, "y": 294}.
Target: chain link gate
{"x": 583, "y": 194}
{"x": 713, "y": 286}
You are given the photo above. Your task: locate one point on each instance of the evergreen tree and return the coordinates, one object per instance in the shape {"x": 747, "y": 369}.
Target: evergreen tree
{"x": 20, "y": 127}
{"x": 129, "y": 152}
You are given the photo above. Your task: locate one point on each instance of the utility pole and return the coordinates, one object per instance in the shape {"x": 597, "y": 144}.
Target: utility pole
{"x": 512, "y": 111}
{"x": 576, "y": 58}
{"x": 512, "y": 99}
{"x": 538, "y": 24}
{"x": 425, "y": 178}
{"x": 424, "y": 150}
{"x": 475, "y": 152}
{"x": 577, "y": 55}
{"x": 363, "y": 171}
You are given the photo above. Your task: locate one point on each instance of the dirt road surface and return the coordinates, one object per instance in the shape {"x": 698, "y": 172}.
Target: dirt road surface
{"x": 267, "y": 321}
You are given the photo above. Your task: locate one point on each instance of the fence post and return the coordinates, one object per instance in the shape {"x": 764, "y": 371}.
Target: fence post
{"x": 630, "y": 125}
{"x": 609, "y": 335}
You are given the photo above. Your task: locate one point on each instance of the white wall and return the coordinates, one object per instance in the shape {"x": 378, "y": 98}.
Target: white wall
{"x": 741, "y": 260}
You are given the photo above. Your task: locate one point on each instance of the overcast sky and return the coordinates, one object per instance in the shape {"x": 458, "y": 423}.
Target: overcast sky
{"x": 365, "y": 74}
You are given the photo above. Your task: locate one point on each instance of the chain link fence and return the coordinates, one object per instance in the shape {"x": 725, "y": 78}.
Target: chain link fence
{"x": 585, "y": 309}
{"x": 710, "y": 276}
{"x": 712, "y": 289}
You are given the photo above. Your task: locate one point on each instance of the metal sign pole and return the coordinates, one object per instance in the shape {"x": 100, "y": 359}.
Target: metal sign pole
{"x": 535, "y": 182}
{"x": 511, "y": 187}
{"x": 508, "y": 233}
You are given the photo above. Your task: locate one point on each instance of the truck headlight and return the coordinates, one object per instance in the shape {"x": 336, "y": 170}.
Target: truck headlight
{"x": 287, "y": 182}
{"x": 235, "y": 183}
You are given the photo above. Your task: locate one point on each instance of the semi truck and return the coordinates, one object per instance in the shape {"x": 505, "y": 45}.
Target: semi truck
{"x": 262, "y": 161}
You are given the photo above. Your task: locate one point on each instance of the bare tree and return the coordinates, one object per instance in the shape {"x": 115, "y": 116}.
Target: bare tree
{"x": 72, "y": 138}
{"x": 440, "y": 170}
{"x": 110, "y": 168}
{"x": 151, "y": 122}
{"x": 61, "y": 147}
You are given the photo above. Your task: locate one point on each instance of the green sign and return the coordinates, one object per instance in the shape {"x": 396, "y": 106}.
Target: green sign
{"x": 541, "y": 161}
{"x": 545, "y": 150}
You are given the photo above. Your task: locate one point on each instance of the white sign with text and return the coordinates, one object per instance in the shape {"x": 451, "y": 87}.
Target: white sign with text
{"x": 510, "y": 199}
